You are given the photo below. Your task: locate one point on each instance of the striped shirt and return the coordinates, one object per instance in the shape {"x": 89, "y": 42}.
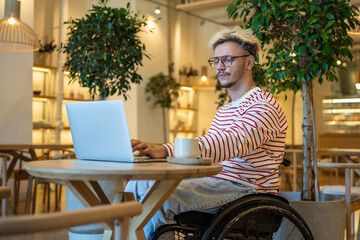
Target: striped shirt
{"x": 247, "y": 137}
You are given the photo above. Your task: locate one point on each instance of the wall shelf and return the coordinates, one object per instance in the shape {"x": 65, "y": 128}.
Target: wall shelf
{"x": 183, "y": 117}
{"x": 341, "y": 114}
{"x": 45, "y": 104}
{"x": 43, "y": 98}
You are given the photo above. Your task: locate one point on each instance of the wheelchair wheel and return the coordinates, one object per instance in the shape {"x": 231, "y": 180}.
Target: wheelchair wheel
{"x": 176, "y": 231}
{"x": 262, "y": 221}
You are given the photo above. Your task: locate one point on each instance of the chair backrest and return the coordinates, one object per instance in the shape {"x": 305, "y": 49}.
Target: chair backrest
{"x": 118, "y": 213}
{"x": 5, "y": 192}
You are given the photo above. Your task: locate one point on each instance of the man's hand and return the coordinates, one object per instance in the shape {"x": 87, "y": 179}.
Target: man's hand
{"x": 149, "y": 149}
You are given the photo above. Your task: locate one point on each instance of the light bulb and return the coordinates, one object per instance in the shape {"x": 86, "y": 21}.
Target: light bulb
{"x": 157, "y": 10}
{"x": 11, "y": 20}
{"x": 204, "y": 78}
{"x": 338, "y": 62}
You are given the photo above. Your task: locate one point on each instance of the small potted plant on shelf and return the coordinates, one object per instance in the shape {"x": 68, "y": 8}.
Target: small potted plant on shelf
{"x": 43, "y": 55}
{"x": 104, "y": 51}
{"x": 304, "y": 40}
{"x": 187, "y": 75}
{"x": 163, "y": 89}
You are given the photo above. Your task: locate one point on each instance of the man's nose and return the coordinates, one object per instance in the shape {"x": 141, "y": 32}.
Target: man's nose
{"x": 220, "y": 66}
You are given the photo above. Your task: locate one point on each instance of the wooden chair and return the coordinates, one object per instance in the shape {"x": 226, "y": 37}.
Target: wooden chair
{"x": 117, "y": 213}
{"x": 349, "y": 191}
{"x": 32, "y": 188}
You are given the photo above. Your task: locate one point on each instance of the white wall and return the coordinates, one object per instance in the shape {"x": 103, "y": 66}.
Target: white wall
{"x": 150, "y": 121}
{"x": 16, "y": 86}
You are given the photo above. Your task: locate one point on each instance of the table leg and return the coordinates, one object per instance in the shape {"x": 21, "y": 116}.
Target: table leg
{"x": 29, "y": 194}
{"x": 154, "y": 199}
{"x": 3, "y": 183}
{"x": 11, "y": 167}
{"x": 86, "y": 195}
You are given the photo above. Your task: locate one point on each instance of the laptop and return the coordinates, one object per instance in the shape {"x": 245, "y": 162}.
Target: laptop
{"x": 100, "y": 132}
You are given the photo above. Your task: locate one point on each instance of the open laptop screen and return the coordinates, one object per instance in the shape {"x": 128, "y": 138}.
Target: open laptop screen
{"x": 99, "y": 130}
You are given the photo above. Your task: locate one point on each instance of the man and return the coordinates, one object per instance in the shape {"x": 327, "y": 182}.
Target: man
{"x": 247, "y": 137}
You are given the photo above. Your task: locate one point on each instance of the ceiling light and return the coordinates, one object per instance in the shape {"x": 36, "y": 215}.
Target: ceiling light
{"x": 157, "y": 10}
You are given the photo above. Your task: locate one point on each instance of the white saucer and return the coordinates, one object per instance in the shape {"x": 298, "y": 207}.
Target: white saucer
{"x": 190, "y": 161}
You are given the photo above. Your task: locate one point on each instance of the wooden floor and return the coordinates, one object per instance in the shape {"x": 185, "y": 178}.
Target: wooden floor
{"x": 62, "y": 234}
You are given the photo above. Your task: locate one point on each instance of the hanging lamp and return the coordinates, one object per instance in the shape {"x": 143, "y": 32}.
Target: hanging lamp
{"x": 16, "y": 36}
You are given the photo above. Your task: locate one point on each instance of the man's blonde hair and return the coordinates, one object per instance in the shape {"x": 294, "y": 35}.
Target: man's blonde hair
{"x": 244, "y": 37}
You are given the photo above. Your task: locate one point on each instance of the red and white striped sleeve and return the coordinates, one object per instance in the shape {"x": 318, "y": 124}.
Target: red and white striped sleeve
{"x": 257, "y": 125}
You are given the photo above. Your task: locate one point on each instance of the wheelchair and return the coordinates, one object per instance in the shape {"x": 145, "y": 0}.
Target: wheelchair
{"x": 258, "y": 216}
{"x": 252, "y": 217}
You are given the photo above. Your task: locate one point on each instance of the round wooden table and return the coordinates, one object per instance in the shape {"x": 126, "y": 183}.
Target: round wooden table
{"x": 81, "y": 177}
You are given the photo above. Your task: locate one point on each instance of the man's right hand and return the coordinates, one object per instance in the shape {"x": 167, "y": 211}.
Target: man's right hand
{"x": 149, "y": 149}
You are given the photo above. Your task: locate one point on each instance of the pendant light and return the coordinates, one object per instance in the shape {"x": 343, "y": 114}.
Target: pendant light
{"x": 16, "y": 36}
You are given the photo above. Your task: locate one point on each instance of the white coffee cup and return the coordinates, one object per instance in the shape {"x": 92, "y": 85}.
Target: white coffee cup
{"x": 188, "y": 147}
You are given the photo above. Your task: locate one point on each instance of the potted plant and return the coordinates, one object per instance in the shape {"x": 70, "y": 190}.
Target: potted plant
{"x": 163, "y": 89}
{"x": 43, "y": 55}
{"x": 103, "y": 53}
{"x": 187, "y": 75}
{"x": 304, "y": 39}
{"x": 104, "y": 50}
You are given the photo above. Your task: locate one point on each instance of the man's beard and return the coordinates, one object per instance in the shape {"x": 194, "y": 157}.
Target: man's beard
{"x": 226, "y": 85}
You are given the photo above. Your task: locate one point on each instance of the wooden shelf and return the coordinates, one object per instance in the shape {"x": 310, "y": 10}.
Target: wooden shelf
{"x": 44, "y": 127}
{"x": 45, "y": 67}
{"x": 184, "y": 131}
{"x": 182, "y": 108}
{"x": 76, "y": 99}
{"x": 41, "y": 98}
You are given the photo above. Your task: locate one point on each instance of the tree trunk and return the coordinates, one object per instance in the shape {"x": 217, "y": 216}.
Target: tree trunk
{"x": 308, "y": 190}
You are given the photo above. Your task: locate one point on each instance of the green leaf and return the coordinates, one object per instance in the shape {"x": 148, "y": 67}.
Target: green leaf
{"x": 313, "y": 20}
{"x": 324, "y": 36}
{"x": 302, "y": 48}
{"x": 312, "y": 9}
{"x": 329, "y": 24}
{"x": 231, "y": 9}
{"x": 300, "y": 76}
{"x": 313, "y": 37}
{"x": 324, "y": 66}
{"x": 330, "y": 16}
{"x": 270, "y": 71}
{"x": 263, "y": 6}
{"x": 325, "y": 49}
{"x": 283, "y": 3}
{"x": 289, "y": 14}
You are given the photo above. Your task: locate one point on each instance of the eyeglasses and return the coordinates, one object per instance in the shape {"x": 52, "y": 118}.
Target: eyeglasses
{"x": 227, "y": 60}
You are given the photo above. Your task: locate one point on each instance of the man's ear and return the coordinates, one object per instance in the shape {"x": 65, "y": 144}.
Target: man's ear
{"x": 250, "y": 63}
